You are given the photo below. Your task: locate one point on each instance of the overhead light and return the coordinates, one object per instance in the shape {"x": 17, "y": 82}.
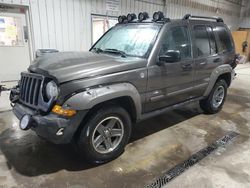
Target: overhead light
{"x": 143, "y": 16}
{"x": 122, "y": 18}
{"x": 131, "y": 17}
{"x": 157, "y": 16}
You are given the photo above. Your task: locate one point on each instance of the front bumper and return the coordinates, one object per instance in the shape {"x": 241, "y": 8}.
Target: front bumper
{"x": 233, "y": 75}
{"x": 47, "y": 126}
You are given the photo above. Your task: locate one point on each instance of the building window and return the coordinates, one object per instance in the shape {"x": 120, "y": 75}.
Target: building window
{"x": 11, "y": 31}
{"x": 101, "y": 24}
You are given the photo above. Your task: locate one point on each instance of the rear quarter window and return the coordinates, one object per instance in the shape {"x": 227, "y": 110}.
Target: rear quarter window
{"x": 225, "y": 42}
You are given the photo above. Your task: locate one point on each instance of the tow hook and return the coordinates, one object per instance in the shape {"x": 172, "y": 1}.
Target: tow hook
{"x": 60, "y": 132}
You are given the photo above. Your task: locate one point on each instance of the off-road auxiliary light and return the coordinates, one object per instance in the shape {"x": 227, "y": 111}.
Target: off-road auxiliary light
{"x": 122, "y": 18}
{"x": 143, "y": 16}
{"x": 131, "y": 17}
{"x": 158, "y": 16}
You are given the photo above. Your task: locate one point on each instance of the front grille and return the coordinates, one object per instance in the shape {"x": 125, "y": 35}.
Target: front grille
{"x": 30, "y": 89}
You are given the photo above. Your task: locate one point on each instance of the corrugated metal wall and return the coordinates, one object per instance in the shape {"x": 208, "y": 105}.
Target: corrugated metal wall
{"x": 230, "y": 12}
{"x": 66, "y": 24}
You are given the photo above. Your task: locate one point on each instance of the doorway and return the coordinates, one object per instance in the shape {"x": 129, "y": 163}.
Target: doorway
{"x": 101, "y": 24}
{"x": 14, "y": 43}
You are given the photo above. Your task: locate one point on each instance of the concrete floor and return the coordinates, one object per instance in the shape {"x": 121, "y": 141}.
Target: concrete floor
{"x": 157, "y": 145}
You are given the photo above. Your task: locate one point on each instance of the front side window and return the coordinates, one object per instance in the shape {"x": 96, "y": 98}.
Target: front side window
{"x": 224, "y": 39}
{"x": 177, "y": 39}
{"x": 201, "y": 41}
{"x": 131, "y": 40}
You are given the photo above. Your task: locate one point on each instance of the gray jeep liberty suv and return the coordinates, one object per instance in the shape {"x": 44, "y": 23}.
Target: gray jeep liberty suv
{"x": 138, "y": 69}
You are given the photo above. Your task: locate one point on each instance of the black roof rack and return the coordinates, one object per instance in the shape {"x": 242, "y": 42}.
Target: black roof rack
{"x": 188, "y": 16}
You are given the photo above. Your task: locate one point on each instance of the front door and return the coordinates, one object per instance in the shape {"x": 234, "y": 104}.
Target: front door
{"x": 171, "y": 83}
{"x": 14, "y": 49}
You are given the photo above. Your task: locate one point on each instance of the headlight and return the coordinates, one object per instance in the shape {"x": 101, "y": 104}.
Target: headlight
{"x": 51, "y": 90}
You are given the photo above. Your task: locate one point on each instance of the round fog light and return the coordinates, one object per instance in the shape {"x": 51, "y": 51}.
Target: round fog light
{"x": 25, "y": 122}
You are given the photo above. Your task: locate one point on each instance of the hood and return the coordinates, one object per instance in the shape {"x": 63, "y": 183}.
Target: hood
{"x": 67, "y": 66}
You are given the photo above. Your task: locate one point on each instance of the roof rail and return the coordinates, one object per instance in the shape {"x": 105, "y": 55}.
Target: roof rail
{"x": 188, "y": 16}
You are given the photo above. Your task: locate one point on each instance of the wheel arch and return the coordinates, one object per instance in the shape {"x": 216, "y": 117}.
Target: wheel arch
{"x": 227, "y": 77}
{"x": 123, "y": 94}
{"x": 221, "y": 72}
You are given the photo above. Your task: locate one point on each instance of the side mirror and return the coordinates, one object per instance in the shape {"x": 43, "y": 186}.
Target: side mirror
{"x": 170, "y": 56}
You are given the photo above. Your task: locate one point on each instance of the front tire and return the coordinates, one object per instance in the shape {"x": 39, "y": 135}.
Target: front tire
{"x": 214, "y": 102}
{"x": 105, "y": 135}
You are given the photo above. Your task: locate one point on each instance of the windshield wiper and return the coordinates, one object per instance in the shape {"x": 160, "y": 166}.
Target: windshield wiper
{"x": 110, "y": 50}
{"x": 97, "y": 50}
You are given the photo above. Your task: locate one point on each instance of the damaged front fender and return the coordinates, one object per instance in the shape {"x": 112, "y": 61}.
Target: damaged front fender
{"x": 88, "y": 99}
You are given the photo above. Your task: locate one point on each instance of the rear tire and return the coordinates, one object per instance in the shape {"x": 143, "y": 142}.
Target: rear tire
{"x": 105, "y": 135}
{"x": 214, "y": 102}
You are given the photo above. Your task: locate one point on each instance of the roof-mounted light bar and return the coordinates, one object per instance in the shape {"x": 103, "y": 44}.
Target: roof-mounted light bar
{"x": 131, "y": 17}
{"x": 188, "y": 16}
{"x": 143, "y": 16}
{"x": 122, "y": 18}
{"x": 158, "y": 16}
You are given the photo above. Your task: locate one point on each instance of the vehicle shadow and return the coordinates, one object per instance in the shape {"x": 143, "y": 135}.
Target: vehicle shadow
{"x": 164, "y": 121}
{"x": 31, "y": 156}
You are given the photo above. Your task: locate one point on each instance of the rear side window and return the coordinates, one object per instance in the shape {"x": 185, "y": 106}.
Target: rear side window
{"x": 213, "y": 46}
{"x": 201, "y": 40}
{"x": 224, "y": 39}
{"x": 177, "y": 38}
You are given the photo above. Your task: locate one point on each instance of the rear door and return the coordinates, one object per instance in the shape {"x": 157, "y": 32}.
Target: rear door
{"x": 206, "y": 55}
{"x": 225, "y": 42}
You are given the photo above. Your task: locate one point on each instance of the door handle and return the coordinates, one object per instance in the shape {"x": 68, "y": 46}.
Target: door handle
{"x": 187, "y": 66}
{"x": 217, "y": 60}
{"x": 203, "y": 63}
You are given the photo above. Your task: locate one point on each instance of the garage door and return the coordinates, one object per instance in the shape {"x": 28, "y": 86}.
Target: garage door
{"x": 14, "y": 50}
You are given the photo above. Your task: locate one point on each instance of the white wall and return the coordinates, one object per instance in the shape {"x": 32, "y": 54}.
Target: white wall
{"x": 245, "y": 15}
{"x": 66, "y": 24}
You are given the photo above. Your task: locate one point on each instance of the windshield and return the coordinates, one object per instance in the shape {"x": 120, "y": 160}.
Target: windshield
{"x": 128, "y": 40}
